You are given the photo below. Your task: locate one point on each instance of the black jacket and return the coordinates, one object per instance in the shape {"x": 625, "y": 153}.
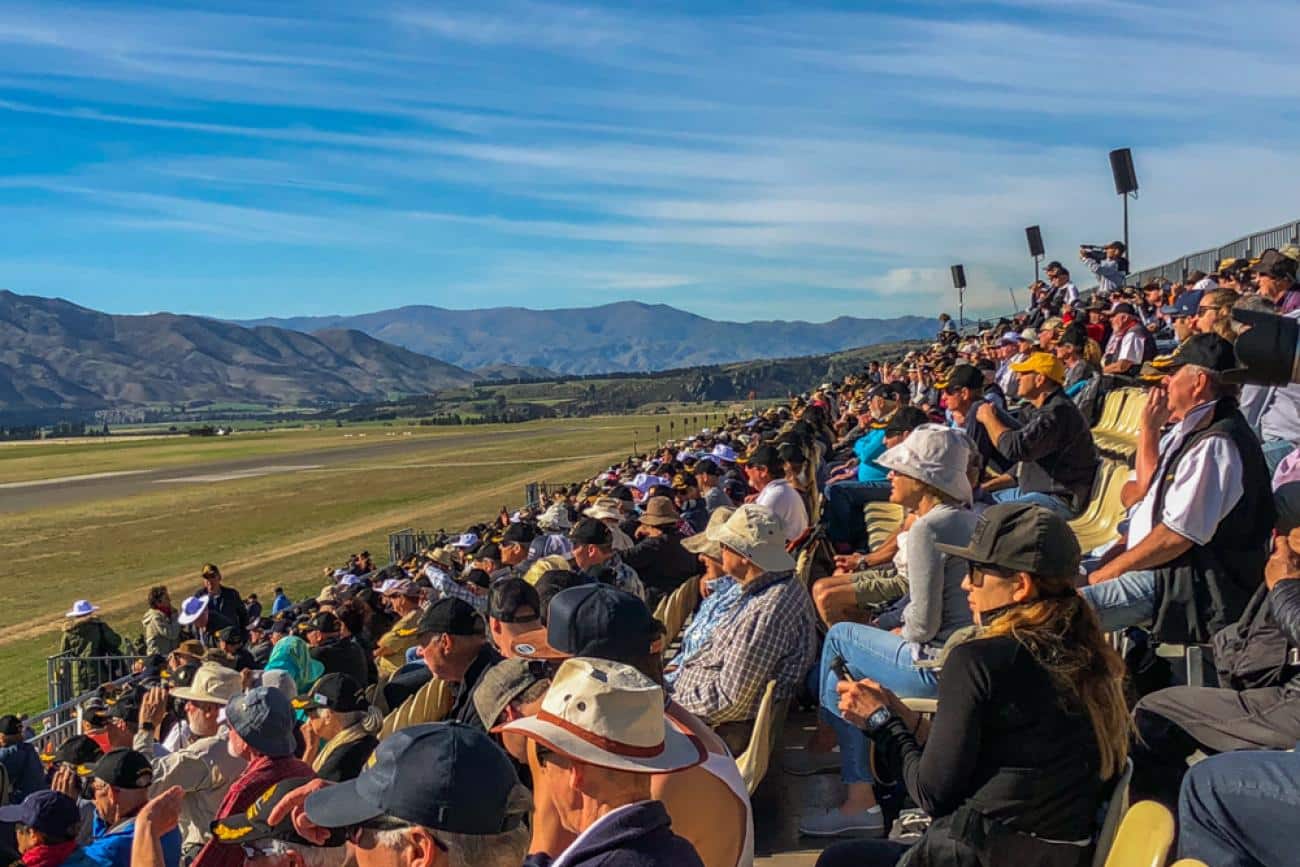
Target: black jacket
{"x": 640, "y": 835}
{"x": 229, "y": 606}
{"x": 1055, "y": 449}
{"x": 344, "y": 656}
{"x": 662, "y": 564}
{"x": 347, "y": 761}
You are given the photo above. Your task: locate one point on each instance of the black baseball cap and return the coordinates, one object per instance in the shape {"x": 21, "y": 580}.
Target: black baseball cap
{"x": 125, "y": 707}
{"x": 450, "y": 616}
{"x": 1124, "y": 307}
{"x": 490, "y": 551}
{"x": 600, "y": 621}
{"x": 518, "y": 534}
{"x": 764, "y": 456}
{"x": 509, "y": 596}
{"x": 1274, "y": 264}
{"x": 52, "y": 813}
{"x": 232, "y": 635}
{"x": 1074, "y": 335}
{"x": 907, "y": 419}
{"x": 479, "y": 578}
{"x": 80, "y": 751}
{"x": 252, "y": 825}
{"x": 964, "y": 376}
{"x": 1203, "y": 350}
{"x": 1021, "y": 537}
{"x": 590, "y": 531}
{"x": 706, "y": 467}
{"x": 334, "y": 691}
{"x": 324, "y": 621}
{"x": 10, "y": 725}
{"x": 124, "y": 769}
{"x": 444, "y": 776}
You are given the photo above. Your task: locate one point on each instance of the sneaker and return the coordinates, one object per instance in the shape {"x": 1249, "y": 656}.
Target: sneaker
{"x": 835, "y": 823}
{"x": 805, "y": 763}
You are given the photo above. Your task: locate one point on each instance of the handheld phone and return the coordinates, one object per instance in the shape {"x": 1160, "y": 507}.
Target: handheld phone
{"x": 840, "y": 668}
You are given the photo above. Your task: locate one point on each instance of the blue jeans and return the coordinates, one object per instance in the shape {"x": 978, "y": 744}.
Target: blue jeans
{"x": 1234, "y": 809}
{"x": 1129, "y": 600}
{"x": 885, "y": 658}
{"x": 1038, "y": 498}
{"x": 843, "y": 509}
{"x": 1274, "y": 451}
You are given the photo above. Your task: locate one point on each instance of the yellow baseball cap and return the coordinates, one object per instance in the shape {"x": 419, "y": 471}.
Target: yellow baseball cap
{"x": 1042, "y": 362}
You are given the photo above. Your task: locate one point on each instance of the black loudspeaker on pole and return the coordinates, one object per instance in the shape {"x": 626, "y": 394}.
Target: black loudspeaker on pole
{"x": 1034, "y": 236}
{"x": 959, "y": 283}
{"x": 1126, "y": 183}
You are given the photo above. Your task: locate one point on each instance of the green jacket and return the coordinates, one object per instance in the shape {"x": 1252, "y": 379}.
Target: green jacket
{"x": 85, "y": 637}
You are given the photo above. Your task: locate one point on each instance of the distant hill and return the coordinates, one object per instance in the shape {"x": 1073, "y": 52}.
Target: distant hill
{"x": 498, "y": 372}
{"x": 625, "y": 336}
{"x": 55, "y": 354}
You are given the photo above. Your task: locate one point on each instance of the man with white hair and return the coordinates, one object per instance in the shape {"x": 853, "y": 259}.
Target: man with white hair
{"x": 205, "y": 768}
{"x": 771, "y": 635}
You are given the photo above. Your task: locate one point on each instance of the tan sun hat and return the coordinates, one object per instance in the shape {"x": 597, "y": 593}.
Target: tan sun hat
{"x": 213, "y": 684}
{"x": 754, "y": 532}
{"x": 608, "y": 714}
{"x": 659, "y": 512}
{"x": 703, "y": 543}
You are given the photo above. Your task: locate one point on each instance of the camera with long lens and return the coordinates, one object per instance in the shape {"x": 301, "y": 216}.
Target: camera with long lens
{"x": 1093, "y": 252}
{"x": 1268, "y": 352}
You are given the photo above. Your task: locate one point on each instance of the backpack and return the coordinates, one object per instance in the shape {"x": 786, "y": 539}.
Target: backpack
{"x": 1253, "y": 652}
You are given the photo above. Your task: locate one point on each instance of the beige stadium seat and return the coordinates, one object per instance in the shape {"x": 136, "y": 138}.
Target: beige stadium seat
{"x": 1111, "y": 408}
{"x": 756, "y": 758}
{"x": 883, "y": 521}
{"x": 1121, "y": 440}
{"x": 921, "y": 705}
{"x": 675, "y": 608}
{"x": 1102, "y": 526}
{"x": 1188, "y": 862}
{"x": 1144, "y": 838}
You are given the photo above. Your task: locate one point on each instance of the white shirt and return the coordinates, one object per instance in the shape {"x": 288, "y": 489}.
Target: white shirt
{"x": 779, "y": 496}
{"x": 1129, "y": 348}
{"x": 1206, "y": 486}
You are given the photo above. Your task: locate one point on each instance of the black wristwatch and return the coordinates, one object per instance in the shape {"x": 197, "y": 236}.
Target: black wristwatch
{"x": 879, "y": 717}
{"x": 146, "y": 727}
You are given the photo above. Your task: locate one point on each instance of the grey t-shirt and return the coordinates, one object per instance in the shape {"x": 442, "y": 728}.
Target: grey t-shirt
{"x": 716, "y": 498}
{"x": 937, "y": 605}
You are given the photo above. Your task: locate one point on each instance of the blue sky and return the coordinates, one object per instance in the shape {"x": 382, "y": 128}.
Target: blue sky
{"x": 742, "y": 161}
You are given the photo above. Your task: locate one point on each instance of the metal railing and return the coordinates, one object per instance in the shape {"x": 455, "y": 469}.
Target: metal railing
{"x": 1208, "y": 260}
{"x": 537, "y": 495}
{"x": 70, "y": 678}
{"x": 405, "y": 543}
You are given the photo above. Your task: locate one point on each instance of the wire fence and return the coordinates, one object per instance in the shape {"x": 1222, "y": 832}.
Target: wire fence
{"x": 1208, "y": 260}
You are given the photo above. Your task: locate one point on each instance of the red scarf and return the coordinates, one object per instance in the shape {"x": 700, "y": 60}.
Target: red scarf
{"x": 49, "y": 854}
{"x": 261, "y": 774}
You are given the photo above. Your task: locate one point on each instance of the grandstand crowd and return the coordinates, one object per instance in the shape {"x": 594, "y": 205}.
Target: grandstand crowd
{"x": 1038, "y": 571}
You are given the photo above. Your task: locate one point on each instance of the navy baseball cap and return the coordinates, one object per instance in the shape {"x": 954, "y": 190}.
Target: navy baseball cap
{"x": 1186, "y": 304}
{"x": 52, "y": 813}
{"x": 444, "y": 776}
{"x": 600, "y": 621}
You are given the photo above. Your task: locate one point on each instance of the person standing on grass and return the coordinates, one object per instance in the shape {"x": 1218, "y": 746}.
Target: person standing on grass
{"x": 225, "y": 601}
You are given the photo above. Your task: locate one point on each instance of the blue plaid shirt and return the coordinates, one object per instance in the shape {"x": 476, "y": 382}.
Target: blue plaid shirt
{"x": 714, "y": 610}
{"x": 445, "y": 586}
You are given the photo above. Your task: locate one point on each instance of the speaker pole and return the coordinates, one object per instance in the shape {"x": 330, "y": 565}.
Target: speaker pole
{"x": 1015, "y": 308}
{"x": 1126, "y": 248}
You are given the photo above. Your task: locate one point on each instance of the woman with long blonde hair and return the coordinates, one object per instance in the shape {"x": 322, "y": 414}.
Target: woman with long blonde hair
{"x": 1214, "y": 314}
{"x": 1031, "y": 728}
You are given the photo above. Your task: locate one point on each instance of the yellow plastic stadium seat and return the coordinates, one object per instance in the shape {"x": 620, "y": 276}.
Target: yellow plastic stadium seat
{"x": 676, "y": 607}
{"x": 1145, "y": 837}
{"x": 1189, "y": 862}
{"x": 1093, "y": 508}
{"x": 754, "y": 761}
{"x": 1116, "y": 807}
{"x": 1122, "y": 439}
{"x": 1110, "y": 410}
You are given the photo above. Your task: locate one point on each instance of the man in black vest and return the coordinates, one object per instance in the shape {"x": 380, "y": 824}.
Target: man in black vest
{"x": 1197, "y": 541}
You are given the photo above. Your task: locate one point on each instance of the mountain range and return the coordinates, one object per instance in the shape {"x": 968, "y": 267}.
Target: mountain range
{"x": 56, "y": 355}
{"x": 624, "y": 336}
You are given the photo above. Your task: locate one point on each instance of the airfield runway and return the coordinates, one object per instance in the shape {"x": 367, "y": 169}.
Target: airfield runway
{"x": 78, "y": 489}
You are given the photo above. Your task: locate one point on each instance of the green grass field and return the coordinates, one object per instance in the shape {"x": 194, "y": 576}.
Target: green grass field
{"x": 266, "y": 531}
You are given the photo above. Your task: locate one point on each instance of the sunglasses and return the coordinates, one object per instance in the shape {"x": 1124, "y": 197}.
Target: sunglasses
{"x": 978, "y": 573}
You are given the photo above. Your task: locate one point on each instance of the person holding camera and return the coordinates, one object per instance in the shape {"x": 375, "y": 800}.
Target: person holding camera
{"x": 1108, "y": 264}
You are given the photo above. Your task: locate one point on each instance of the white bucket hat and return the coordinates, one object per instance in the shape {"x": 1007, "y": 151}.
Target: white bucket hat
{"x": 755, "y": 533}
{"x": 604, "y": 509}
{"x": 936, "y": 455}
{"x": 192, "y": 609}
{"x": 556, "y": 517}
{"x": 213, "y": 684}
{"x": 82, "y": 608}
{"x": 608, "y": 714}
